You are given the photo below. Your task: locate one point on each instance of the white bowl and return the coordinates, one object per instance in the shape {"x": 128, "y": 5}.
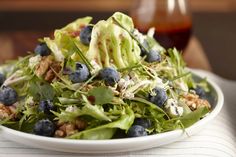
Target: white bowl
{"x": 115, "y": 145}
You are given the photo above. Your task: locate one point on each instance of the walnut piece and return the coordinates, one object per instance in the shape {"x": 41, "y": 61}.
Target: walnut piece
{"x": 194, "y": 102}
{"x": 59, "y": 133}
{"x": 50, "y": 75}
{"x": 7, "y": 111}
{"x": 80, "y": 124}
{"x": 67, "y": 129}
{"x": 46, "y": 68}
{"x": 43, "y": 66}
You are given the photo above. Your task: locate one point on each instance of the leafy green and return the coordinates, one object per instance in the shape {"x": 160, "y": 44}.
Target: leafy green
{"x": 114, "y": 47}
{"x": 62, "y": 46}
{"x": 102, "y": 94}
{"x": 41, "y": 90}
{"x": 194, "y": 116}
{"x": 114, "y": 43}
{"x": 151, "y": 105}
{"x": 68, "y": 100}
{"x": 185, "y": 121}
{"x": 107, "y": 131}
{"x": 76, "y": 25}
{"x": 88, "y": 109}
{"x": 123, "y": 19}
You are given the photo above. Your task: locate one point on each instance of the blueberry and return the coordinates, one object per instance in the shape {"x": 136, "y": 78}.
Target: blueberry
{"x": 46, "y": 106}
{"x": 201, "y": 92}
{"x": 44, "y": 127}
{"x": 160, "y": 98}
{"x": 153, "y": 56}
{"x": 42, "y": 49}
{"x": 146, "y": 123}
{"x": 8, "y": 96}
{"x": 110, "y": 76}
{"x": 81, "y": 73}
{"x": 85, "y": 35}
{"x": 136, "y": 131}
{"x": 2, "y": 78}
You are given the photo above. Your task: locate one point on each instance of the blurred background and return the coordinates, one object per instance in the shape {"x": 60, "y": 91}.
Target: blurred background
{"x": 213, "y": 24}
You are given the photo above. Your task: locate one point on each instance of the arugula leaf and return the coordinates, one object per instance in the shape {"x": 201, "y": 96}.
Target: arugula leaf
{"x": 184, "y": 121}
{"x": 102, "y": 95}
{"x": 41, "y": 90}
{"x": 194, "y": 116}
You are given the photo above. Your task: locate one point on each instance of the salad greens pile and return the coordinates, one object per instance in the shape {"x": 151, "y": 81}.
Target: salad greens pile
{"x": 100, "y": 81}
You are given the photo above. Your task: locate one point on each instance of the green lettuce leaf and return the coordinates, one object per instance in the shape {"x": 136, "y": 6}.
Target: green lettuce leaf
{"x": 62, "y": 45}
{"x": 94, "y": 111}
{"x": 114, "y": 47}
{"x": 104, "y": 98}
{"x": 184, "y": 121}
{"x": 107, "y": 131}
{"x": 76, "y": 25}
{"x": 40, "y": 90}
{"x": 193, "y": 117}
{"x": 123, "y": 19}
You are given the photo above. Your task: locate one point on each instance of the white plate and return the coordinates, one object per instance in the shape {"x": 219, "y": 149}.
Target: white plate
{"x": 114, "y": 145}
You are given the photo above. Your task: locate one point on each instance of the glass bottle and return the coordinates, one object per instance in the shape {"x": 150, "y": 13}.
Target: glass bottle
{"x": 170, "y": 18}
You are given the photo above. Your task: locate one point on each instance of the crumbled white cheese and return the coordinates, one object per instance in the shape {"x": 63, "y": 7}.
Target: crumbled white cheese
{"x": 128, "y": 95}
{"x": 173, "y": 109}
{"x": 125, "y": 82}
{"x": 138, "y": 35}
{"x": 33, "y": 61}
{"x": 71, "y": 108}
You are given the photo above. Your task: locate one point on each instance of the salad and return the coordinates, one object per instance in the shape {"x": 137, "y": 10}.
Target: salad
{"x": 100, "y": 81}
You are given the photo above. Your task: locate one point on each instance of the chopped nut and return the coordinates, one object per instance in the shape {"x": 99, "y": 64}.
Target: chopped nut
{"x": 46, "y": 68}
{"x": 70, "y": 129}
{"x": 67, "y": 129}
{"x": 12, "y": 109}
{"x": 59, "y": 133}
{"x": 63, "y": 127}
{"x": 5, "y": 112}
{"x": 202, "y": 102}
{"x": 80, "y": 124}
{"x": 59, "y": 123}
{"x": 56, "y": 66}
{"x": 43, "y": 66}
{"x": 50, "y": 75}
{"x": 194, "y": 102}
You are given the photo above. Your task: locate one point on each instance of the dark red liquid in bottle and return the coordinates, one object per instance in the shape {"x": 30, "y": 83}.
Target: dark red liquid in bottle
{"x": 169, "y": 35}
{"x": 178, "y": 37}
